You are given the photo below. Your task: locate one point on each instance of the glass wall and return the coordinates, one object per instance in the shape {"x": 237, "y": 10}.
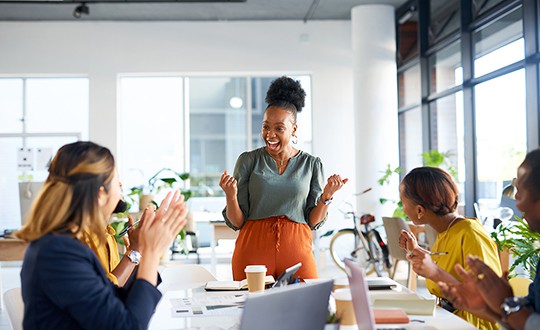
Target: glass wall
{"x": 474, "y": 101}
{"x": 501, "y": 134}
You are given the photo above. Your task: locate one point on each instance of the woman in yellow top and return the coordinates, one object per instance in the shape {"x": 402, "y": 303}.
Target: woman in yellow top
{"x": 118, "y": 269}
{"x": 430, "y": 197}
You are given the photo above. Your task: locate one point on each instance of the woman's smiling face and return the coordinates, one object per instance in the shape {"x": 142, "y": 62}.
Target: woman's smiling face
{"x": 277, "y": 128}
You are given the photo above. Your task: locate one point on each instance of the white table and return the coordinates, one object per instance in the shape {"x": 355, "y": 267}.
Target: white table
{"x": 163, "y": 318}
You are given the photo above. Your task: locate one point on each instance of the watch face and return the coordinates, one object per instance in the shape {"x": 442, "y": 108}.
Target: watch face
{"x": 512, "y": 302}
{"x": 134, "y": 256}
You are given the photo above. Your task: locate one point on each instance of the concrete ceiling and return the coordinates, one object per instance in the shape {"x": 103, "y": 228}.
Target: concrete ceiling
{"x": 183, "y": 10}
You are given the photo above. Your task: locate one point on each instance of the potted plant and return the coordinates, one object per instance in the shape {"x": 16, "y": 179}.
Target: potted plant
{"x": 145, "y": 194}
{"x": 524, "y": 244}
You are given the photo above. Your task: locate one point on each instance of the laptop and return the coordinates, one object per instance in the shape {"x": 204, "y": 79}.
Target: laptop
{"x": 292, "y": 307}
{"x": 365, "y": 318}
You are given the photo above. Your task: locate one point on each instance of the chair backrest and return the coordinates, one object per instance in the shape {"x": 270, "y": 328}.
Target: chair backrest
{"x": 184, "y": 276}
{"x": 15, "y": 307}
{"x": 393, "y": 227}
{"x": 520, "y": 286}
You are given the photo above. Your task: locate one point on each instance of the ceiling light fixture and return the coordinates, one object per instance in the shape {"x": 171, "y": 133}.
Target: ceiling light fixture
{"x": 80, "y": 10}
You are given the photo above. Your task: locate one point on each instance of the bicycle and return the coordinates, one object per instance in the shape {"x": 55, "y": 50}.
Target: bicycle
{"x": 366, "y": 247}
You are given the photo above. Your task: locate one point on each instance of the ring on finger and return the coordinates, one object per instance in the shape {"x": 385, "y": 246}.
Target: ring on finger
{"x": 480, "y": 276}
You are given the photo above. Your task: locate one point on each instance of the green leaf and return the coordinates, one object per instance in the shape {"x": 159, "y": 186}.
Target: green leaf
{"x": 168, "y": 181}
{"x": 328, "y": 233}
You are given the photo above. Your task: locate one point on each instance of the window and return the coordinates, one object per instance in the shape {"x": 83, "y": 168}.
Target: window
{"x": 448, "y": 134}
{"x": 40, "y": 114}
{"x": 409, "y": 87}
{"x": 473, "y": 55}
{"x": 445, "y": 68}
{"x": 410, "y": 139}
{"x": 480, "y": 7}
{"x": 499, "y": 44}
{"x": 444, "y": 20}
{"x": 407, "y": 35}
{"x": 501, "y": 136}
{"x": 218, "y": 129}
{"x": 151, "y": 132}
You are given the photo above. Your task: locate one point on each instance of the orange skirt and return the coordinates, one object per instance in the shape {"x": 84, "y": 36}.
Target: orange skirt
{"x": 276, "y": 242}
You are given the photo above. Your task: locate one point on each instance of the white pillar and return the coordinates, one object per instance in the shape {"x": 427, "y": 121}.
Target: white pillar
{"x": 375, "y": 103}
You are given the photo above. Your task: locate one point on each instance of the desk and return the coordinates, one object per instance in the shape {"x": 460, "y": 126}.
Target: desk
{"x": 220, "y": 230}
{"x": 11, "y": 249}
{"x": 163, "y": 318}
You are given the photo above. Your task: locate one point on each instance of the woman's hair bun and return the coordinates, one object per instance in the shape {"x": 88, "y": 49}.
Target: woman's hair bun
{"x": 285, "y": 90}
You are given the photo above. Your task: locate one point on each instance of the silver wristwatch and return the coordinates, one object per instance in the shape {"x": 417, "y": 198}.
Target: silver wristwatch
{"x": 512, "y": 305}
{"x": 134, "y": 256}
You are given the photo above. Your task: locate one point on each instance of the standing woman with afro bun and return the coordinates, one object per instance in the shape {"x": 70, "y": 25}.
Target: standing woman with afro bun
{"x": 276, "y": 194}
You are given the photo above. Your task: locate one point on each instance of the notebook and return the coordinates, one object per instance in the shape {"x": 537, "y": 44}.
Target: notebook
{"x": 365, "y": 316}
{"x": 297, "y": 306}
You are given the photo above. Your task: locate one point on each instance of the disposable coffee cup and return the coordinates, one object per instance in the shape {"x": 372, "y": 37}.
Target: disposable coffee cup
{"x": 255, "y": 275}
{"x": 340, "y": 283}
{"x": 344, "y": 307}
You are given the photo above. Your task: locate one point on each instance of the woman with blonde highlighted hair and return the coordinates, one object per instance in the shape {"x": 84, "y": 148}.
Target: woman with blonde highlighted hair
{"x": 64, "y": 285}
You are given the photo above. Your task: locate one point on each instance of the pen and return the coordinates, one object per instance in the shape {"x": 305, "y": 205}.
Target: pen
{"x": 437, "y": 253}
{"x": 125, "y": 230}
{"x": 410, "y": 254}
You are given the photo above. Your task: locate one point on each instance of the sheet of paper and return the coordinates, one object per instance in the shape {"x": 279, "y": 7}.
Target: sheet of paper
{"x": 224, "y": 305}
{"x": 211, "y": 310}
{"x": 207, "y": 300}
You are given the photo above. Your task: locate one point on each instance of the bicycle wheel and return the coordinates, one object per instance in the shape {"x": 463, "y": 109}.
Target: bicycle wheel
{"x": 345, "y": 244}
{"x": 378, "y": 262}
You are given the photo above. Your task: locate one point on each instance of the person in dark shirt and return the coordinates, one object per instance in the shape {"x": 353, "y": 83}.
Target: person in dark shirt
{"x": 64, "y": 286}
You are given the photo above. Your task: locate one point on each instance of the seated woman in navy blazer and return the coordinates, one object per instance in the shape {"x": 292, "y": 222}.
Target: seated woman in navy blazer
{"x": 64, "y": 285}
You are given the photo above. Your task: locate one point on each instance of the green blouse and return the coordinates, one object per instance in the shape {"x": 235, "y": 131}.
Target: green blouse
{"x": 263, "y": 192}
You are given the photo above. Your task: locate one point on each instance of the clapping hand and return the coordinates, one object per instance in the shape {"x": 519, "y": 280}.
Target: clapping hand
{"x": 159, "y": 228}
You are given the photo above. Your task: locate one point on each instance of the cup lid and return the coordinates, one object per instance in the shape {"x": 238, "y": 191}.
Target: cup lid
{"x": 255, "y": 268}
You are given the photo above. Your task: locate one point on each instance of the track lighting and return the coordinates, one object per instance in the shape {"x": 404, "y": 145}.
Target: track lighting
{"x": 80, "y": 10}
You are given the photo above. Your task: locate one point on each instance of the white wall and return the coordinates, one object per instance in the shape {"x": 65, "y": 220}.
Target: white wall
{"x": 103, "y": 50}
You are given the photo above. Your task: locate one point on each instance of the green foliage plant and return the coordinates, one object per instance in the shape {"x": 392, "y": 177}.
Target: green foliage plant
{"x": 157, "y": 183}
{"x": 521, "y": 242}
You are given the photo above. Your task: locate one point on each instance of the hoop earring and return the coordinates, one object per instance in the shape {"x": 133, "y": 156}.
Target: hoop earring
{"x": 295, "y": 139}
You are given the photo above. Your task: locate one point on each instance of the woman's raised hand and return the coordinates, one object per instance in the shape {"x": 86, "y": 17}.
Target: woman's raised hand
{"x": 229, "y": 184}
{"x": 334, "y": 183}
{"x": 159, "y": 228}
